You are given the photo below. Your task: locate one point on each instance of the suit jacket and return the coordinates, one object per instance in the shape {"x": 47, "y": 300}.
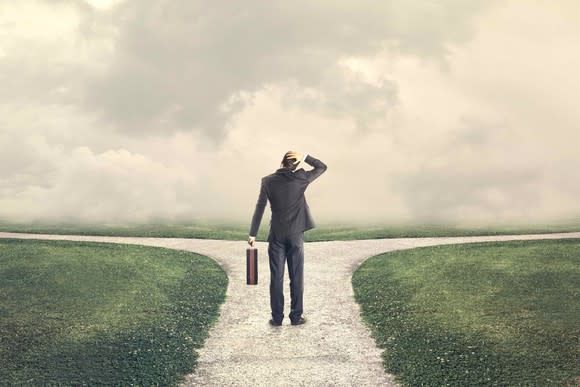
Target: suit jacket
{"x": 285, "y": 191}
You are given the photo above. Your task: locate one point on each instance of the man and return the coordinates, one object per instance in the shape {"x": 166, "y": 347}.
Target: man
{"x": 290, "y": 218}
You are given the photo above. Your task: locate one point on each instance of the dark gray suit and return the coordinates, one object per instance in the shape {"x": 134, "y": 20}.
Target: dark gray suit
{"x": 290, "y": 218}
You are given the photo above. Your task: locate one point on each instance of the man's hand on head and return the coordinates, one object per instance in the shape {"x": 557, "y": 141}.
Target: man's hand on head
{"x": 295, "y": 155}
{"x": 251, "y": 240}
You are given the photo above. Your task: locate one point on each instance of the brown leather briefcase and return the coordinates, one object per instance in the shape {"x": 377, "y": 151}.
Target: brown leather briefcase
{"x": 251, "y": 266}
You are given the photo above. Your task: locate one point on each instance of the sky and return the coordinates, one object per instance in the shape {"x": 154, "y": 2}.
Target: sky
{"x": 457, "y": 111}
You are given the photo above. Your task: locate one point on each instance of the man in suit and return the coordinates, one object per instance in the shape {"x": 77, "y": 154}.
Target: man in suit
{"x": 290, "y": 219}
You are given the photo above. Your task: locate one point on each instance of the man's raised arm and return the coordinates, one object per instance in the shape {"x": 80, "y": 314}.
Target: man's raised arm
{"x": 319, "y": 168}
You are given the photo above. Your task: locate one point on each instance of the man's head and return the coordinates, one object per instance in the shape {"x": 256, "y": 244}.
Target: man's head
{"x": 289, "y": 161}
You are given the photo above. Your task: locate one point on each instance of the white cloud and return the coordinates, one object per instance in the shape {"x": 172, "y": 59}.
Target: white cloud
{"x": 445, "y": 111}
{"x": 104, "y": 4}
{"x": 180, "y": 62}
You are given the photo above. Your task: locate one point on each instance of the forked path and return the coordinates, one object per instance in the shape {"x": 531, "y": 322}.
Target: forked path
{"x": 334, "y": 347}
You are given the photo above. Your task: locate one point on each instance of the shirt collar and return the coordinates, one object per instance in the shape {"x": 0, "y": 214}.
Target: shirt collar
{"x": 284, "y": 170}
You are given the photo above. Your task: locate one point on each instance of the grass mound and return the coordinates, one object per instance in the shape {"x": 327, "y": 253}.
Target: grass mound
{"x": 476, "y": 314}
{"x": 103, "y": 314}
{"x": 323, "y": 232}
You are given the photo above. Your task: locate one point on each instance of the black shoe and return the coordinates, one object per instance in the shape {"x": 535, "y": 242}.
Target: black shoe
{"x": 300, "y": 321}
{"x": 274, "y": 323}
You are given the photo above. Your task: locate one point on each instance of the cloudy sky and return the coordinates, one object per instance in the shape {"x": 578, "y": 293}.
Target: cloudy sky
{"x": 424, "y": 110}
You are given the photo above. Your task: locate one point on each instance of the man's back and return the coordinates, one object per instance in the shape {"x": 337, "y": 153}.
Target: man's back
{"x": 285, "y": 191}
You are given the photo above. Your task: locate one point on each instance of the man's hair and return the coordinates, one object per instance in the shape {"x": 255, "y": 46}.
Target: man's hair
{"x": 289, "y": 162}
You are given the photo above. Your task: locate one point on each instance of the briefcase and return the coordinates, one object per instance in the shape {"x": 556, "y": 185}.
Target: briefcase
{"x": 251, "y": 266}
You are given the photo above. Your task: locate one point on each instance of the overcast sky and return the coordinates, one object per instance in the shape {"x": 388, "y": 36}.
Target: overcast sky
{"x": 423, "y": 110}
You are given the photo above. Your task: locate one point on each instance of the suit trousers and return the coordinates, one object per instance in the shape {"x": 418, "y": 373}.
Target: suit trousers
{"x": 290, "y": 249}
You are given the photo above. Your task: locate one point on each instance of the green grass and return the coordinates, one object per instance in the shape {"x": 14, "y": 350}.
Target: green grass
{"x": 103, "y": 314}
{"x": 324, "y": 232}
{"x": 476, "y": 314}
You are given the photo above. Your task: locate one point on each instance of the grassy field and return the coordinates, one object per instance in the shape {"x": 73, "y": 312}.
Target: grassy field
{"x": 476, "y": 314}
{"x": 103, "y": 314}
{"x": 323, "y": 232}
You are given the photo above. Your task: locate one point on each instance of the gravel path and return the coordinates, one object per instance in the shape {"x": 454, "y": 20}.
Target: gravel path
{"x": 333, "y": 348}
